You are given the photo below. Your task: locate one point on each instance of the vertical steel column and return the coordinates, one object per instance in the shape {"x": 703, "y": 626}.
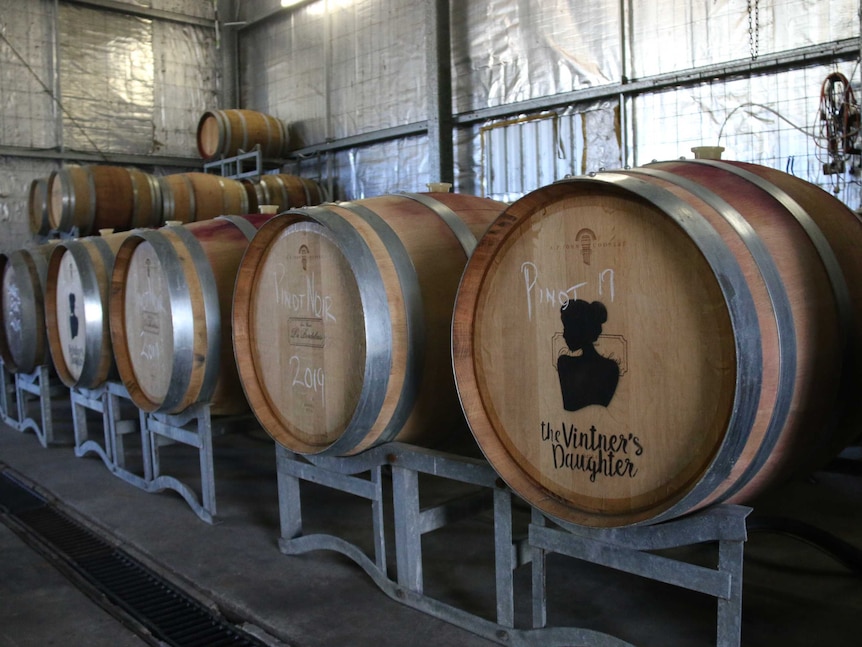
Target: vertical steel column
{"x": 228, "y": 54}
{"x": 408, "y": 535}
{"x": 289, "y": 501}
{"x": 438, "y": 68}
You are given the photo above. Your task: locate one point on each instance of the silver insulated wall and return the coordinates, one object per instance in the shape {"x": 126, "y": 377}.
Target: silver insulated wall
{"x": 99, "y": 82}
{"x": 545, "y": 89}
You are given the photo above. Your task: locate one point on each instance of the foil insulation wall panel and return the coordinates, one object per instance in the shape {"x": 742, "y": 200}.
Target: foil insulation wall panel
{"x": 107, "y": 77}
{"x": 505, "y": 51}
{"x": 674, "y": 35}
{"x": 27, "y": 112}
{"x": 79, "y": 78}
{"x": 336, "y": 68}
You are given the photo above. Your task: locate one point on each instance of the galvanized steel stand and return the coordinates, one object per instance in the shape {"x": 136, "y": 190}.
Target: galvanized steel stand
{"x": 237, "y": 167}
{"x": 106, "y": 400}
{"x": 623, "y": 548}
{"x": 36, "y": 385}
{"x": 192, "y": 427}
{"x": 407, "y": 462}
{"x": 7, "y": 394}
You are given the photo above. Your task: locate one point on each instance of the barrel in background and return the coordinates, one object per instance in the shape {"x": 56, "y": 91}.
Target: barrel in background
{"x": 37, "y": 207}
{"x": 23, "y": 337}
{"x": 283, "y": 190}
{"x": 224, "y": 133}
{"x": 638, "y": 345}
{"x": 91, "y": 198}
{"x": 191, "y": 197}
{"x": 342, "y": 316}
{"x": 171, "y": 292}
{"x": 76, "y": 309}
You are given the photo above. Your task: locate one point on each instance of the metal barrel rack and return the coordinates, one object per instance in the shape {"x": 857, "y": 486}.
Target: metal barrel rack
{"x": 625, "y": 549}
{"x": 108, "y": 400}
{"x": 7, "y": 394}
{"x": 40, "y": 387}
{"x": 245, "y": 164}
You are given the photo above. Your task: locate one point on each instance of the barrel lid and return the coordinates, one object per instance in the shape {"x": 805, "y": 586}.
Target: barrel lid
{"x": 595, "y": 353}
{"x": 13, "y": 315}
{"x": 209, "y": 134}
{"x": 71, "y": 315}
{"x": 149, "y": 322}
{"x": 309, "y": 337}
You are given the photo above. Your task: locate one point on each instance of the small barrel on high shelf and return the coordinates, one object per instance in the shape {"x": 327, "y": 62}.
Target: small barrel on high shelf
{"x": 284, "y": 191}
{"x": 342, "y": 315}
{"x": 635, "y": 346}
{"x": 191, "y": 197}
{"x": 76, "y": 309}
{"x": 224, "y": 133}
{"x": 91, "y": 198}
{"x": 37, "y": 207}
{"x": 23, "y": 337}
{"x": 170, "y": 313}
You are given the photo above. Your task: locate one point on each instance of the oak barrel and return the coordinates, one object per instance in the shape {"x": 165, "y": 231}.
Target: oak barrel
{"x": 76, "y": 309}
{"x": 283, "y": 190}
{"x": 190, "y": 197}
{"x": 171, "y": 292}
{"x": 37, "y": 207}
{"x": 103, "y": 197}
{"x": 224, "y": 133}
{"x": 638, "y": 345}
{"x": 23, "y": 338}
{"x": 342, "y": 315}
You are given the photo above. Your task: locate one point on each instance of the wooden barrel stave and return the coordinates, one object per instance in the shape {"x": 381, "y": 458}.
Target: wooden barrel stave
{"x": 283, "y": 190}
{"x": 716, "y": 453}
{"x": 192, "y": 197}
{"x": 91, "y": 198}
{"x": 373, "y": 366}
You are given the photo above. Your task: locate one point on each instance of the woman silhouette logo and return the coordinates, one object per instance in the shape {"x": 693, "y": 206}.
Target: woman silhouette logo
{"x": 586, "y": 377}
{"x": 73, "y": 318}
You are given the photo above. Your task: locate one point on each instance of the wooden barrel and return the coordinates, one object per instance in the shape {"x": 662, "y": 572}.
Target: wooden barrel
{"x": 635, "y": 346}
{"x": 224, "y": 133}
{"x": 76, "y": 309}
{"x": 103, "y": 197}
{"x": 190, "y": 197}
{"x": 171, "y": 292}
{"x": 23, "y": 338}
{"x": 284, "y": 191}
{"x": 342, "y": 315}
{"x": 37, "y": 207}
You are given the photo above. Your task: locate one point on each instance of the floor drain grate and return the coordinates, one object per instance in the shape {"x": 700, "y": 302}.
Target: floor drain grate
{"x": 168, "y": 614}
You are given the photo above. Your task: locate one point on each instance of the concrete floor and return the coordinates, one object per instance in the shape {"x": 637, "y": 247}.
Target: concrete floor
{"x": 793, "y": 594}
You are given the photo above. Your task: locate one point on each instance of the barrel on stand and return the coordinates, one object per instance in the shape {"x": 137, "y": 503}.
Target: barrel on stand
{"x": 284, "y": 191}
{"x": 37, "y": 207}
{"x": 170, "y": 315}
{"x": 190, "y": 197}
{"x": 76, "y": 309}
{"x": 636, "y": 346}
{"x": 23, "y": 337}
{"x": 342, "y": 315}
{"x": 91, "y": 198}
{"x": 224, "y": 133}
